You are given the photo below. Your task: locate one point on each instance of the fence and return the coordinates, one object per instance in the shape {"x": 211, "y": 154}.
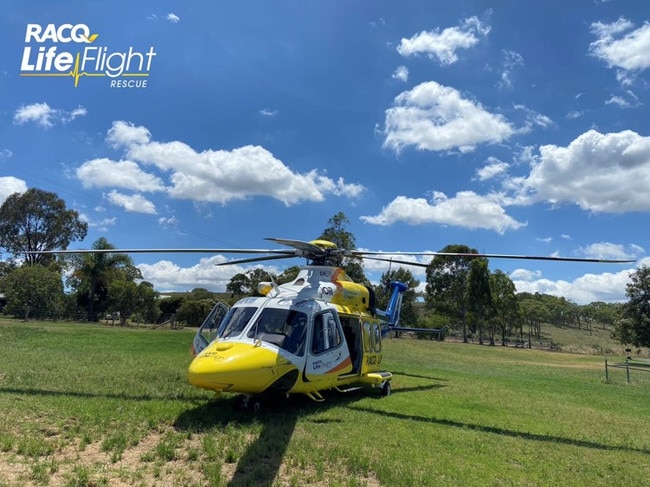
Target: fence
{"x": 628, "y": 365}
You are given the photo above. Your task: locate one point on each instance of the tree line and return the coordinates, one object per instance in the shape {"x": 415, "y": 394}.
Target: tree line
{"x": 460, "y": 292}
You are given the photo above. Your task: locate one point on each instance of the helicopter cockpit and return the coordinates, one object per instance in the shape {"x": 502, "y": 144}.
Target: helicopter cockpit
{"x": 283, "y": 324}
{"x": 285, "y": 328}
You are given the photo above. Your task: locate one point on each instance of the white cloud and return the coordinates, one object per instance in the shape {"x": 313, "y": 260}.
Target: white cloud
{"x": 45, "y": 116}
{"x": 401, "y": 73}
{"x": 607, "y": 250}
{"x": 76, "y": 113}
{"x": 10, "y": 185}
{"x": 103, "y": 173}
{"x": 5, "y": 154}
{"x": 40, "y": 113}
{"x": 134, "y": 203}
{"x": 100, "y": 225}
{"x": 467, "y": 209}
{"x": 621, "y": 47}
{"x": 607, "y": 287}
{"x": 492, "y": 169}
{"x": 618, "y": 100}
{"x": 173, "y": 18}
{"x": 443, "y": 45}
{"x": 168, "y": 222}
{"x": 267, "y": 112}
{"x": 598, "y": 172}
{"x": 511, "y": 59}
{"x": 125, "y": 134}
{"x": 525, "y": 275}
{"x": 436, "y": 117}
{"x": 533, "y": 119}
{"x": 217, "y": 176}
{"x": 168, "y": 276}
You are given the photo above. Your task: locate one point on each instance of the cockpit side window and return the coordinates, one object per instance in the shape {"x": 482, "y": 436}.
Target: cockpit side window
{"x": 327, "y": 333}
{"x": 235, "y": 321}
{"x": 284, "y": 328}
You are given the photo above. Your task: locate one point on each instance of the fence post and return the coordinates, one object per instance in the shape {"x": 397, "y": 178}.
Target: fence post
{"x": 627, "y": 370}
{"x": 606, "y": 372}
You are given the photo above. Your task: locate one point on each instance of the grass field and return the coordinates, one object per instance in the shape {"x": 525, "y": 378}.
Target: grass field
{"x": 91, "y": 405}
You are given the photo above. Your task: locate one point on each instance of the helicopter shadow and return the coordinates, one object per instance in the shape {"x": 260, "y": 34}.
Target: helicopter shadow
{"x": 261, "y": 462}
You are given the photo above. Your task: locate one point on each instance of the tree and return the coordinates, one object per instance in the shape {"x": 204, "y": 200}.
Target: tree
{"x": 479, "y": 296}
{"x": 126, "y": 298}
{"x": 6, "y": 268}
{"x": 534, "y": 312}
{"x": 93, "y": 272}
{"x": 200, "y": 293}
{"x": 446, "y": 289}
{"x": 242, "y": 284}
{"x": 194, "y": 312}
{"x": 34, "y": 291}
{"x": 506, "y": 305}
{"x": 38, "y": 220}
{"x": 600, "y": 312}
{"x": 634, "y": 326}
{"x": 239, "y": 284}
{"x": 169, "y": 306}
{"x": 289, "y": 274}
{"x": 337, "y": 234}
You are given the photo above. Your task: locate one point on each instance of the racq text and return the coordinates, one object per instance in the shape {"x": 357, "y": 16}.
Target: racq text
{"x": 129, "y": 83}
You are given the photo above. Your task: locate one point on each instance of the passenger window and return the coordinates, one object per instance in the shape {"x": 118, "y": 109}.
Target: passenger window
{"x": 367, "y": 338}
{"x": 327, "y": 333}
{"x": 377, "y": 337}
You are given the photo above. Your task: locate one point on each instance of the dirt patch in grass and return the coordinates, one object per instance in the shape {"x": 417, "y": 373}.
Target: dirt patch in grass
{"x": 149, "y": 464}
{"x": 90, "y": 465}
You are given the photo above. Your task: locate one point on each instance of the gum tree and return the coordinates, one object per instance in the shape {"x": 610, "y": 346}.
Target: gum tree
{"x": 38, "y": 220}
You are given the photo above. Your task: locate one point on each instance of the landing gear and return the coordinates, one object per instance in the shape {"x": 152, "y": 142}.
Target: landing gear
{"x": 248, "y": 403}
{"x": 385, "y": 389}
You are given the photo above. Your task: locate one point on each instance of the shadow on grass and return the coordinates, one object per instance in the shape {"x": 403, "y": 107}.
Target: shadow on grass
{"x": 32, "y": 391}
{"x": 261, "y": 461}
{"x": 417, "y": 376}
{"x": 503, "y": 431}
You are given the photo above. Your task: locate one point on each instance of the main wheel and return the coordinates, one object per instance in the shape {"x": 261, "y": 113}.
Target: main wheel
{"x": 385, "y": 389}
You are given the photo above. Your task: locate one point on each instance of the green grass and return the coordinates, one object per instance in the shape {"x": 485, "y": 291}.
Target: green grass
{"x": 95, "y": 405}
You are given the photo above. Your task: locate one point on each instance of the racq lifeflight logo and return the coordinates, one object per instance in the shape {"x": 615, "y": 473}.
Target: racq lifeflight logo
{"x": 70, "y": 50}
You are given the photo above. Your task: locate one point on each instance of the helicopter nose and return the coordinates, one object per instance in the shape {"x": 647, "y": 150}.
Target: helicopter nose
{"x": 205, "y": 373}
{"x": 237, "y": 367}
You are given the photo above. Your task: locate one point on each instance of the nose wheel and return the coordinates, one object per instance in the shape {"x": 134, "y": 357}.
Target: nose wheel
{"x": 247, "y": 403}
{"x": 385, "y": 389}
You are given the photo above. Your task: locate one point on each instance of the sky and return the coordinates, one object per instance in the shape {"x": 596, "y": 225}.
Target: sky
{"x": 507, "y": 126}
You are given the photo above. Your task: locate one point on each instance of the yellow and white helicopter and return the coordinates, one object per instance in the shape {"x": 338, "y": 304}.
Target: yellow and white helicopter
{"x": 320, "y": 331}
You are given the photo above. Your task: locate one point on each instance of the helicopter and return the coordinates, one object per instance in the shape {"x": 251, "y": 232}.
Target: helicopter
{"x": 321, "y": 331}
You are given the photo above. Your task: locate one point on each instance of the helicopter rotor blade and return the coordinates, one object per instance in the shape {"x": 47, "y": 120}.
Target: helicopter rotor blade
{"x": 307, "y": 247}
{"x": 491, "y": 256}
{"x": 396, "y": 261}
{"x": 256, "y": 259}
{"x": 285, "y": 253}
{"x": 312, "y": 251}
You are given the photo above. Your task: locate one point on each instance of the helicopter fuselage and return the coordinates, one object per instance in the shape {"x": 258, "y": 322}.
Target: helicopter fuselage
{"x": 316, "y": 333}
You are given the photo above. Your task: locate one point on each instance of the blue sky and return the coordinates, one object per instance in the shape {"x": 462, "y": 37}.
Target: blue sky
{"x": 508, "y": 126}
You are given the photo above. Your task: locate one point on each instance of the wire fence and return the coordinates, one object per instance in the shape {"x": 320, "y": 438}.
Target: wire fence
{"x": 629, "y": 365}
